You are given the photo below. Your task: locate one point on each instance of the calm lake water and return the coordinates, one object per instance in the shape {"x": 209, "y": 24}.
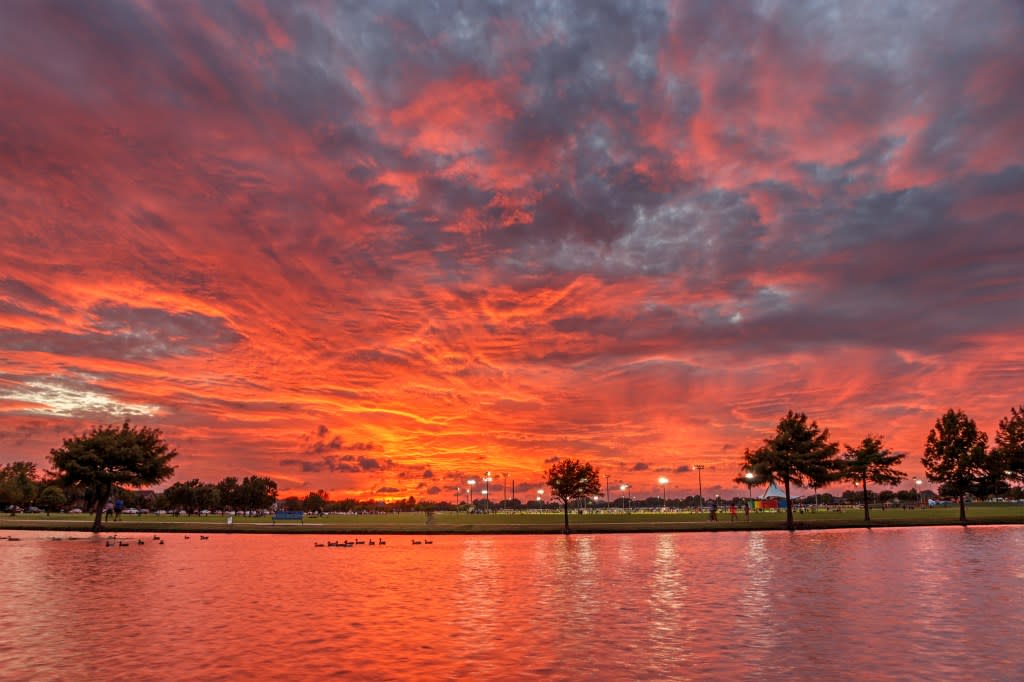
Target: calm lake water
{"x": 852, "y": 604}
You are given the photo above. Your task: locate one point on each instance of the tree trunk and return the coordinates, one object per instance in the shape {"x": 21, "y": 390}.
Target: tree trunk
{"x": 789, "y": 508}
{"x": 867, "y": 514}
{"x": 97, "y": 522}
{"x": 565, "y": 507}
{"x": 963, "y": 511}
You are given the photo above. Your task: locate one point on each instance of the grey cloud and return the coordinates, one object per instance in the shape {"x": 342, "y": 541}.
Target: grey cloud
{"x": 125, "y": 333}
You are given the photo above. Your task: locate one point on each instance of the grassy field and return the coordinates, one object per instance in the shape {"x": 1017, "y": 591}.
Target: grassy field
{"x": 549, "y": 522}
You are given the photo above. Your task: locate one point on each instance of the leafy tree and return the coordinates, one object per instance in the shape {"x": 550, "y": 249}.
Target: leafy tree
{"x": 257, "y": 492}
{"x": 290, "y": 503}
{"x": 870, "y": 462}
{"x": 1010, "y": 443}
{"x": 570, "y": 479}
{"x": 110, "y": 455}
{"x": 207, "y": 497}
{"x": 51, "y": 497}
{"x": 19, "y": 483}
{"x": 230, "y": 492}
{"x": 994, "y": 477}
{"x": 955, "y": 456}
{"x": 798, "y": 454}
{"x": 182, "y": 495}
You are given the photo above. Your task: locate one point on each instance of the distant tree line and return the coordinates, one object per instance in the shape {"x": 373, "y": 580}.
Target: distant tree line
{"x": 115, "y": 461}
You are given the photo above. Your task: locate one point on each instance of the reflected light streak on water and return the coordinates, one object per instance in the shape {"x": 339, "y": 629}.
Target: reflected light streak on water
{"x": 892, "y": 603}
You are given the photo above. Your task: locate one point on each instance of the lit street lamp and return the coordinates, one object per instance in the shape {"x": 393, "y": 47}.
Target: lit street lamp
{"x": 487, "y": 489}
{"x": 540, "y": 495}
{"x": 471, "y": 482}
{"x": 918, "y": 482}
{"x": 664, "y": 498}
{"x": 750, "y": 481}
{"x": 624, "y": 488}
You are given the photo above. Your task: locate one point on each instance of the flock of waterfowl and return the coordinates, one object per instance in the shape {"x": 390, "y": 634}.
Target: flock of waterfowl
{"x": 114, "y": 541}
{"x": 352, "y": 543}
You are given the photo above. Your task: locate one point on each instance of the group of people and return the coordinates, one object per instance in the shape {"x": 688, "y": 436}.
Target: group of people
{"x": 114, "y": 510}
{"x": 732, "y": 510}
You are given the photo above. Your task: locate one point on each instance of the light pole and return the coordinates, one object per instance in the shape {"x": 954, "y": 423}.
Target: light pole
{"x": 487, "y": 489}
{"x": 504, "y": 491}
{"x": 458, "y": 496}
{"x": 664, "y": 498}
{"x": 750, "y": 482}
{"x": 700, "y": 488}
{"x": 607, "y": 491}
{"x": 917, "y": 482}
{"x": 471, "y": 482}
{"x": 624, "y": 487}
{"x": 540, "y": 495}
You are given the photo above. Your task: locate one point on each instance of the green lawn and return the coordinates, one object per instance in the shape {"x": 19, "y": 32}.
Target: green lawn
{"x": 456, "y": 522}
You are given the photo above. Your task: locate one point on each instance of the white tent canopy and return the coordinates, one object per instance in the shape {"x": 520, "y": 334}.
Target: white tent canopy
{"x": 773, "y": 491}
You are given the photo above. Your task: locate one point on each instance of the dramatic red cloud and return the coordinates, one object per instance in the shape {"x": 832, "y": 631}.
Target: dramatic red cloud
{"x": 381, "y": 251}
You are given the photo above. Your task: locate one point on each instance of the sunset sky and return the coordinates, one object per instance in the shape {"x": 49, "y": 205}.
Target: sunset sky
{"x": 380, "y": 248}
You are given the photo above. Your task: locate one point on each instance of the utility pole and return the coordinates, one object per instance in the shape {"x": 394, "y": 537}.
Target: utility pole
{"x": 607, "y": 491}
{"x": 504, "y": 491}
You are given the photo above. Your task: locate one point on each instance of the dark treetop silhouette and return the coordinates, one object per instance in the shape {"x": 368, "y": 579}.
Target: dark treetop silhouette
{"x": 869, "y": 462}
{"x": 798, "y": 454}
{"x": 571, "y": 479}
{"x": 955, "y": 456}
{"x": 110, "y": 455}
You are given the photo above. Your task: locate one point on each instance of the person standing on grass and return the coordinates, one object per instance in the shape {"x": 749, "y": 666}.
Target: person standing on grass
{"x": 746, "y": 509}
{"x": 732, "y": 511}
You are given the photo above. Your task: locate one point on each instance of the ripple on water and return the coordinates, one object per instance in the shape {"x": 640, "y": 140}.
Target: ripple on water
{"x": 910, "y": 602}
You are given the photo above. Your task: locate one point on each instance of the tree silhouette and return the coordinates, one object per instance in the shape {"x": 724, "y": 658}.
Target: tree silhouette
{"x": 1010, "y": 443}
{"x": 570, "y": 479}
{"x": 798, "y": 454}
{"x": 19, "y": 483}
{"x": 870, "y": 462}
{"x": 955, "y": 456}
{"x": 110, "y": 455}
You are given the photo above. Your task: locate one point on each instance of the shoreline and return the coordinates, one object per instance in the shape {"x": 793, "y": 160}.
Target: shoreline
{"x": 579, "y": 528}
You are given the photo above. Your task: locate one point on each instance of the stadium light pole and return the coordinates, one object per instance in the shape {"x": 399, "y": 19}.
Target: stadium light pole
{"x": 700, "y": 487}
{"x": 664, "y": 498}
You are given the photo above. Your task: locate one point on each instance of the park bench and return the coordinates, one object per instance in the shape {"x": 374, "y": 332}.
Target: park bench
{"x": 287, "y": 516}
